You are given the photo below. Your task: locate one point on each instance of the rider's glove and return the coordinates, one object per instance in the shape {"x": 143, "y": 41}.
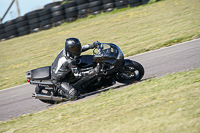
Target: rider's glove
{"x": 94, "y": 45}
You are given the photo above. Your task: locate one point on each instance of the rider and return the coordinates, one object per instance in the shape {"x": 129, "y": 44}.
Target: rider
{"x": 64, "y": 64}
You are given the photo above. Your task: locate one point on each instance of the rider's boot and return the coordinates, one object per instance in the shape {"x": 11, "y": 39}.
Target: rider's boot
{"x": 68, "y": 91}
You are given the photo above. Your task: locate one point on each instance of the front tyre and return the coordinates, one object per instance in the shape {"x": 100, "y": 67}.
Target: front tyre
{"x": 131, "y": 71}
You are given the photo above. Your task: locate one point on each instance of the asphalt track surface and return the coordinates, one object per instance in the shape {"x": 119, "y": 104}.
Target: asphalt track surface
{"x": 17, "y": 101}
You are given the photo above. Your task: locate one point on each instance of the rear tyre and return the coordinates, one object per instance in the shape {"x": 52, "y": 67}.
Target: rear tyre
{"x": 35, "y": 27}
{"x": 120, "y": 4}
{"x": 23, "y": 33}
{"x": 52, "y": 4}
{"x": 58, "y": 23}
{"x": 145, "y": 1}
{"x": 134, "y": 71}
{"x": 80, "y": 2}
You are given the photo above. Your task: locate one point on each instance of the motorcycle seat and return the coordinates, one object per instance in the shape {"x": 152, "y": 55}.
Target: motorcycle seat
{"x": 41, "y": 73}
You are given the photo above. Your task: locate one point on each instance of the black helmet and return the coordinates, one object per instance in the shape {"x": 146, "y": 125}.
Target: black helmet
{"x": 73, "y": 47}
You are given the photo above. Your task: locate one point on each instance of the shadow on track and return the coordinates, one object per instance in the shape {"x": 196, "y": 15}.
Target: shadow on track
{"x": 90, "y": 94}
{"x": 116, "y": 86}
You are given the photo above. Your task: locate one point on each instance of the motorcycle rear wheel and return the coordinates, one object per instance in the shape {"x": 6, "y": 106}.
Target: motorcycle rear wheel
{"x": 130, "y": 73}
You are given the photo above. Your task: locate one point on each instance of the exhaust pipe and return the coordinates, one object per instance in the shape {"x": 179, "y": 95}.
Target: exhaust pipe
{"x": 46, "y": 97}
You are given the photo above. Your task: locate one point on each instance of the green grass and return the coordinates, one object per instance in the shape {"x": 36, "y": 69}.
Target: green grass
{"x": 169, "y": 105}
{"x": 135, "y": 30}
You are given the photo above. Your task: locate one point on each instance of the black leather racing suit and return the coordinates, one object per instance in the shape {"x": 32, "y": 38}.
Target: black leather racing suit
{"x": 60, "y": 68}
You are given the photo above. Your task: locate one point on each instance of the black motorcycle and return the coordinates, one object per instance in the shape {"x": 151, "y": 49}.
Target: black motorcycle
{"x": 107, "y": 61}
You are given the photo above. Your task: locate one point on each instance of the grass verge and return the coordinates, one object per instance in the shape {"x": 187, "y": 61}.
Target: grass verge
{"x": 167, "y": 104}
{"x": 135, "y": 30}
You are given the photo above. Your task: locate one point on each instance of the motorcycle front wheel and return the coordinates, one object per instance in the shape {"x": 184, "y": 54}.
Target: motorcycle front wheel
{"x": 134, "y": 71}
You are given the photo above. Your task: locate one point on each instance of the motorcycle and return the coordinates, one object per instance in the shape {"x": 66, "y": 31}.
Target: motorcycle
{"x": 108, "y": 62}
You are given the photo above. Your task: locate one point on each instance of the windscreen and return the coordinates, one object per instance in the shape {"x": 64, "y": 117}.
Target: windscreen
{"x": 107, "y": 51}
